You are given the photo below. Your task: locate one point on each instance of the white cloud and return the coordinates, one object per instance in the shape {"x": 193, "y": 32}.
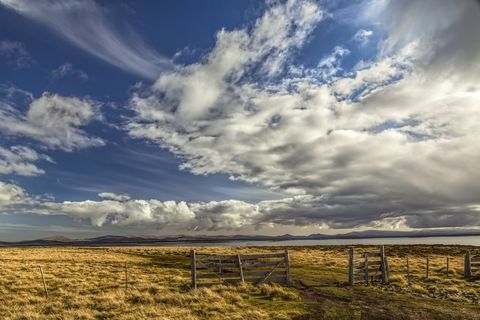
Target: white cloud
{"x": 66, "y": 70}
{"x": 11, "y": 194}
{"x": 12, "y": 93}
{"x": 53, "y": 120}
{"x": 114, "y": 196}
{"x": 87, "y": 26}
{"x": 330, "y": 65}
{"x": 20, "y": 160}
{"x": 340, "y": 211}
{"x": 122, "y": 213}
{"x": 392, "y": 145}
{"x": 196, "y": 89}
{"x": 397, "y": 136}
{"x": 334, "y": 212}
{"x": 16, "y": 53}
{"x": 363, "y": 36}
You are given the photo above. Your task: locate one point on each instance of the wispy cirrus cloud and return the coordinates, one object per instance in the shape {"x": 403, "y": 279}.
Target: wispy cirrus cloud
{"x": 363, "y": 36}
{"x": 87, "y": 25}
{"x": 16, "y": 54}
{"x": 66, "y": 70}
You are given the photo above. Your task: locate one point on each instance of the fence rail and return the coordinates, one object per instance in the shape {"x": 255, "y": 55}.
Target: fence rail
{"x": 368, "y": 266}
{"x": 254, "y": 268}
{"x": 472, "y": 264}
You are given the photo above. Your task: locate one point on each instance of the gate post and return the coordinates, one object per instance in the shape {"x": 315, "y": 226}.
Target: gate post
{"x": 384, "y": 265}
{"x": 240, "y": 268}
{"x": 467, "y": 272}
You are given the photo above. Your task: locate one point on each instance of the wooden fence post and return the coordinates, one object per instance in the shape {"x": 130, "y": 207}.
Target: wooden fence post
{"x": 426, "y": 271}
{"x": 466, "y": 267}
{"x": 384, "y": 265}
{"x": 287, "y": 268}
{"x": 44, "y": 283}
{"x": 408, "y": 272}
{"x": 193, "y": 266}
{"x": 126, "y": 278}
{"x": 448, "y": 264}
{"x": 350, "y": 266}
{"x": 366, "y": 267}
{"x": 240, "y": 269}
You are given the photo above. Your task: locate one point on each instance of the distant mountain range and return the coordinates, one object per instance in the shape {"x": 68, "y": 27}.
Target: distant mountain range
{"x": 112, "y": 240}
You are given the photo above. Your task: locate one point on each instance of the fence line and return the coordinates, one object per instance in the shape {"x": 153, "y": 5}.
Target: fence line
{"x": 360, "y": 267}
{"x": 367, "y": 267}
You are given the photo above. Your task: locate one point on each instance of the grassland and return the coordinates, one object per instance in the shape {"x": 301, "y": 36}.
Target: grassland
{"x": 89, "y": 283}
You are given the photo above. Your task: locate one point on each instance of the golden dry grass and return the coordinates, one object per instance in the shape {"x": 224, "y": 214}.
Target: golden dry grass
{"x": 89, "y": 283}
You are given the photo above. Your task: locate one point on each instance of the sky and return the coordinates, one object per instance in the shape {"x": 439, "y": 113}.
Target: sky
{"x": 238, "y": 117}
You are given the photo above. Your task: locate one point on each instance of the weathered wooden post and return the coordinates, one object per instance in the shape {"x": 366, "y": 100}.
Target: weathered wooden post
{"x": 350, "y": 266}
{"x": 240, "y": 269}
{"x": 126, "y": 278}
{"x": 366, "y": 268}
{"x": 387, "y": 269}
{"x": 287, "y": 268}
{"x": 467, "y": 271}
{"x": 44, "y": 283}
{"x": 448, "y": 264}
{"x": 193, "y": 267}
{"x": 426, "y": 271}
{"x": 384, "y": 266}
{"x": 408, "y": 272}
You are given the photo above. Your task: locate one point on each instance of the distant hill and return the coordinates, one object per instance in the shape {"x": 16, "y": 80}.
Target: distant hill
{"x": 112, "y": 240}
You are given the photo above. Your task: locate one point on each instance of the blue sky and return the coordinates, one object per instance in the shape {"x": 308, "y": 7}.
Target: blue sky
{"x": 148, "y": 117}
{"x": 123, "y": 165}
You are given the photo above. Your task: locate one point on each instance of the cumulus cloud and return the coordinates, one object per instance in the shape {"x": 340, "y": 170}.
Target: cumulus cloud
{"x": 87, "y": 25}
{"x": 11, "y": 194}
{"x": 20, "y": 160}
{"x": 396, "y": 138}
{"x": 333, "y": 212}
{"x": 66, "y": 70}
{"x": 195, "y": 90}
{"x": 53, "y": 120}
{"x": 16, "y": 53}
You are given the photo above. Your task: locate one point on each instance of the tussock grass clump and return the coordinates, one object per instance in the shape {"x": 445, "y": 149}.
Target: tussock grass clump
{"x": 278, "y": 292}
